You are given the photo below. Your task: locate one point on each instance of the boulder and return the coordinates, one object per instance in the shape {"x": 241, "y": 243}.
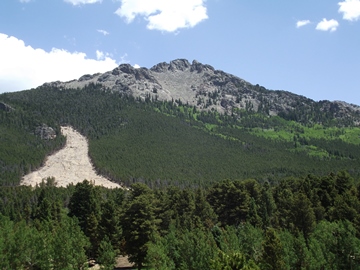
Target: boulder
{"x": 5, "y": 107}
{"x": 45, "y": 132}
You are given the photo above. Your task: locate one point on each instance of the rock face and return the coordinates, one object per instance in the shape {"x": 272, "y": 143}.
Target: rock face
{"x": 5, "y": 107}
{"x": 206, "y": 88}
{"x": 45, "y": 132}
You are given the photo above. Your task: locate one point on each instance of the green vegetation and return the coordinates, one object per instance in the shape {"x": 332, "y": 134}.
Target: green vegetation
{"x": 169, "y": 143}
{"x": 299, "y": 223}
{"x": 207, "y": 191}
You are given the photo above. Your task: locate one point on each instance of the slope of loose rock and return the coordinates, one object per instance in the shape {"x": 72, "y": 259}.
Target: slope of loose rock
{"x": 69, "y": 165}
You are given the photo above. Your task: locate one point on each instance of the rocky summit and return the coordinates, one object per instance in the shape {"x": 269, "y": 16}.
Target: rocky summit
{"x": 206, "y": 88}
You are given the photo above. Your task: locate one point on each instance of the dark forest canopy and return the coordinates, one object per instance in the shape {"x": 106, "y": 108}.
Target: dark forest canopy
{"x": 170, "y": 143}
{"x": 299, "y": 223}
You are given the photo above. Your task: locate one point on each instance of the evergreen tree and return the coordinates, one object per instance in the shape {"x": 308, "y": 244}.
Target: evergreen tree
{"x": 272, "y": 256}
{"x": 85, "y": 206}
{"x": 106, "y": 254}
{"x": 250, "y": 239}
{"x": 69, "y": 245}
{"x": 203, "y": 211}
{"x": 109, "y": 225}
{"x": 158, "y": 254}
{"x": 196, "y": 250}
{"x": 267, "y": 205}
{"x": 335, "y": 245}
{"x": 232, "y": 261}
{"x": 230, "y": 202}
{"x": 92, "y": 232}
{"x": 303, "y": 216}
{"x": 253, "y": 217}
{"x": 85, "y": 202}
{"x": 139, "y": 223}
{"x": 343, "y": 182}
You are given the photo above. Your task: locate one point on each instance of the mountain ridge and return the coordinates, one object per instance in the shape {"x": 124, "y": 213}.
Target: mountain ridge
{"x": 203, "y": 86}
{"x": 162, "y": 143}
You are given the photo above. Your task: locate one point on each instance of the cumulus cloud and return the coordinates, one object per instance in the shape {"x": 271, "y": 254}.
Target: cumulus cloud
{"x": 302, "y": 23}
{"x": 105, "y": 33}
{"x": 100, "y": 55}
{"x": 350, "y": 9}
{"x": 136, "y": 66}
{"x": 164, "y": 15}
{"x": 80, "y": 2}
{"x": 327, "y": 25}
{"x": 23, "y": 67}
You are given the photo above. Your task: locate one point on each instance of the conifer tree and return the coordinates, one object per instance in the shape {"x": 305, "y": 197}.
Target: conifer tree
{"x": 109, "y": 224}
{"x": 85, "y": 202}
{"x": 232, "y": 261}
{"x": 272, "y": 257}
{"x": 139, "y": 223}
{"x": 69, "y": 245}
{"x": 303, "y": 216}
{"x": 157, "y": 255}
{"x": 203, "y": 211}
{"x": 267, "y": 205}
{"x": 106, "y": 254}
{"x": 253, "y": 216}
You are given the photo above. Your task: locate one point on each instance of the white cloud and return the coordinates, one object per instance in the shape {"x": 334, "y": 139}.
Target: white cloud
{"x": 79, "y": 2}
{"x": 164, "y": 15}
{"x": 103, "y": 56}
{"x": 23, "y": 67}
{"x": 302, "y": 23}
{"x": 100, "y": 55}
{"x": 136, "y": 66}
{"x": 105, "y": 33}
{"x": 327, "y": 25}
{"x": 350, "y": 9}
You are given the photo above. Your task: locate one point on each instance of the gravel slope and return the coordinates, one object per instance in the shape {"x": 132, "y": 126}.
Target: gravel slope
{"x": 69, "y": 165}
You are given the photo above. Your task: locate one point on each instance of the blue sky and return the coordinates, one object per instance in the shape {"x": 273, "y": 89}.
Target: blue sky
{"x": 307, "y": 47}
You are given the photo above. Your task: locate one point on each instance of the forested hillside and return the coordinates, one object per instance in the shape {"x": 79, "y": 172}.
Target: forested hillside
{"x": 169, "y": 143}
{"x": 238, "y": 190}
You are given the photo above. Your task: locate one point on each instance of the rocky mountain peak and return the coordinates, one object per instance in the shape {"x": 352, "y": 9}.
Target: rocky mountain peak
{"x": 174, "y": 65}
{"x": 179, "y": 64}
{"x": 206, "y": 88}
{"x": 198, "y": 67}
{"x": 161, "y": 67}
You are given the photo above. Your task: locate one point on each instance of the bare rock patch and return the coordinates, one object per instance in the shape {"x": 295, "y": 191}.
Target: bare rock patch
{"x": 69, "y": 165}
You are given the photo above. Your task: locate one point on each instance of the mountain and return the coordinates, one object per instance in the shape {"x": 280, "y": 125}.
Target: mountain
{"x": 235, "y": 174}
{"x": 206, "y": 88}
{"x": 179, "y": 124}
